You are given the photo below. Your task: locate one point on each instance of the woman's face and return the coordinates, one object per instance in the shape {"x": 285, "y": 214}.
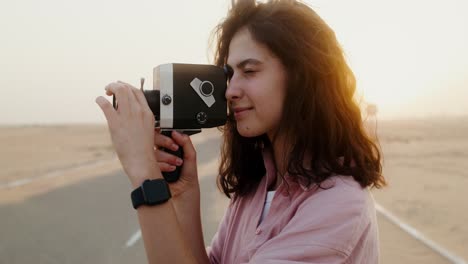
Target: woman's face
{"x": 256, "y": 89}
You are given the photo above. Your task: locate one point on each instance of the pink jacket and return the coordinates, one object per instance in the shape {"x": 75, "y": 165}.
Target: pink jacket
{"x": 304, "y": 225}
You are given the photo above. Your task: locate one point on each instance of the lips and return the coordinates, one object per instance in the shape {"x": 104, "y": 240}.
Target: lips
{"x": 241, "y": 111}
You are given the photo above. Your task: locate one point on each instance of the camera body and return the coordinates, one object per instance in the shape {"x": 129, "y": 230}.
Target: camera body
{"x": 190, "y": 97}
{"x": 187, "y": 98}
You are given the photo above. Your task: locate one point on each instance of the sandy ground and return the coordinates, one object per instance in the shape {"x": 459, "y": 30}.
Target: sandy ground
{"x": 425, "y": 164}
{"x": 32, "y": 151}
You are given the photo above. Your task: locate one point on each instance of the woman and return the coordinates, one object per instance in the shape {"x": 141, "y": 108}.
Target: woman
{"x": 296, "y": 161}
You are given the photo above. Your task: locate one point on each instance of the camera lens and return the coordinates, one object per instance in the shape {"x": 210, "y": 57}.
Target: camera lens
{"x": 206, "y": 88}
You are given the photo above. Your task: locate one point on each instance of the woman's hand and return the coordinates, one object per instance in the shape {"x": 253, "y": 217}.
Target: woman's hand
{"x": 187, "y": 185}
{"x": 132, "y": 131}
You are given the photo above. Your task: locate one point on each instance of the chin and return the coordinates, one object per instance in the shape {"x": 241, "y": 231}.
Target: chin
{"x": 249, "y": 132}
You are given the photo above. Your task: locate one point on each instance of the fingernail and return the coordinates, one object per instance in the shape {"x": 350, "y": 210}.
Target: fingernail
{"x": 172, "y": 168}
{"x": 179, "y": 162}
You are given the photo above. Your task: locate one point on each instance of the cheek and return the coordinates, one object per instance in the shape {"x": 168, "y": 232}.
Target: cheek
{"x": 275, "y": 111}
{"x": 268, "y": 114}
{"x": 273, "y": 102}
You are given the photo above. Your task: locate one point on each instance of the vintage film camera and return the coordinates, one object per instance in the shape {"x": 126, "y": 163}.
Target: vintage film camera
{"x": 186, "y": 98}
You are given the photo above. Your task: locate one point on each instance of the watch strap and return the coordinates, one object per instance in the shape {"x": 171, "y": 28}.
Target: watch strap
{"x": 151, "y": 192}
{"x": 137, "y": 197}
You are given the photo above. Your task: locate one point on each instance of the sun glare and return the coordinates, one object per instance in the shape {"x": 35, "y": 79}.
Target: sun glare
{"x": 402, "y": 52}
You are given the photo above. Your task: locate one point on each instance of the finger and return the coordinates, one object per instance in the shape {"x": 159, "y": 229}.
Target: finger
{"x": 140, "y": 97}
{"x": 124, "y": 96}
{"x": 142, "y": 102}
{"x": 106, "y": 107}
{"x": 121, "y": 94}
{"x": 166, "y": 167}
{"x": 135, "y": 106}
{"x": 186, "y": 143}
{"x": 162, "y": 156}
{"x": 108, "y": 91}
{"x": 161, "y": 140}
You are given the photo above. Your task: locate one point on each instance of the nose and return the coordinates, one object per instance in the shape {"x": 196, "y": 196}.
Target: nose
{"x": 233, "y": 91}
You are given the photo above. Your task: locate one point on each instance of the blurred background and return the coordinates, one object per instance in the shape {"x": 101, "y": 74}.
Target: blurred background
{"x": 63, "y": 196}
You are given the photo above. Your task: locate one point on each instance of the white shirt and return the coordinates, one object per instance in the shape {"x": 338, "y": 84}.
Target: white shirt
{"x": 266, "y": 207}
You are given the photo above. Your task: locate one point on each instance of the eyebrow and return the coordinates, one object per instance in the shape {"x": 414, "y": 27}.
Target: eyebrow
{"x": 245, "y": 62}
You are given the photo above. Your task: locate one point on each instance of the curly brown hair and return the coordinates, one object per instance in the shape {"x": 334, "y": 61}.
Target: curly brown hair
{"x": 322, "y": 120}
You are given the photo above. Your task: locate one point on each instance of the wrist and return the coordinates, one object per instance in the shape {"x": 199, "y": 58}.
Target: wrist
{"x": 187, "y": 203}
{"x": 190, "y": 195}
{"x": 138, "y": 177}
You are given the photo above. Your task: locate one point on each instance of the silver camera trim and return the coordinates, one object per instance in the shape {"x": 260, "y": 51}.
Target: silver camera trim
{"x": 196, "y": 85}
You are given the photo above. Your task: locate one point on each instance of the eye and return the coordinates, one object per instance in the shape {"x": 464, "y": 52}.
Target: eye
{"x": 249, "y": 71}
{"x": 228, "y": 71}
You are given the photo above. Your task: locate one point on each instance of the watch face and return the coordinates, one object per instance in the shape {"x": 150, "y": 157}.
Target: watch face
{"x": 155, "y": 191}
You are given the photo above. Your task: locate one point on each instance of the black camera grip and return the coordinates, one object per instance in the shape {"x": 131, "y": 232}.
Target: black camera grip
{"x": 173, "y": 176}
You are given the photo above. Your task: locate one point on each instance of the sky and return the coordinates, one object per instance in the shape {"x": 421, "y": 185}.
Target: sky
{"x": 410, "y": 57}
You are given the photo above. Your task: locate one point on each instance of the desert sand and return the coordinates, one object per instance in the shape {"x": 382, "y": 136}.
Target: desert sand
{"x": 425, "y": 163}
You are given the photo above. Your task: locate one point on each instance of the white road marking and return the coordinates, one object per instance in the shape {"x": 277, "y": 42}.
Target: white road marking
{"x": 133, "y": 239}
{"x": 419, "y": 236}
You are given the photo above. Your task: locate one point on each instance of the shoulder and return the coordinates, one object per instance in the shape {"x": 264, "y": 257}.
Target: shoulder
{"x": 337, "y": 196}
{"x": 339, "y": 191}
{"x": 337, "y": 216}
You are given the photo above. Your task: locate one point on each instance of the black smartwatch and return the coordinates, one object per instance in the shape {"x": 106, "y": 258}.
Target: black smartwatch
{"x": 151, "y": 192}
